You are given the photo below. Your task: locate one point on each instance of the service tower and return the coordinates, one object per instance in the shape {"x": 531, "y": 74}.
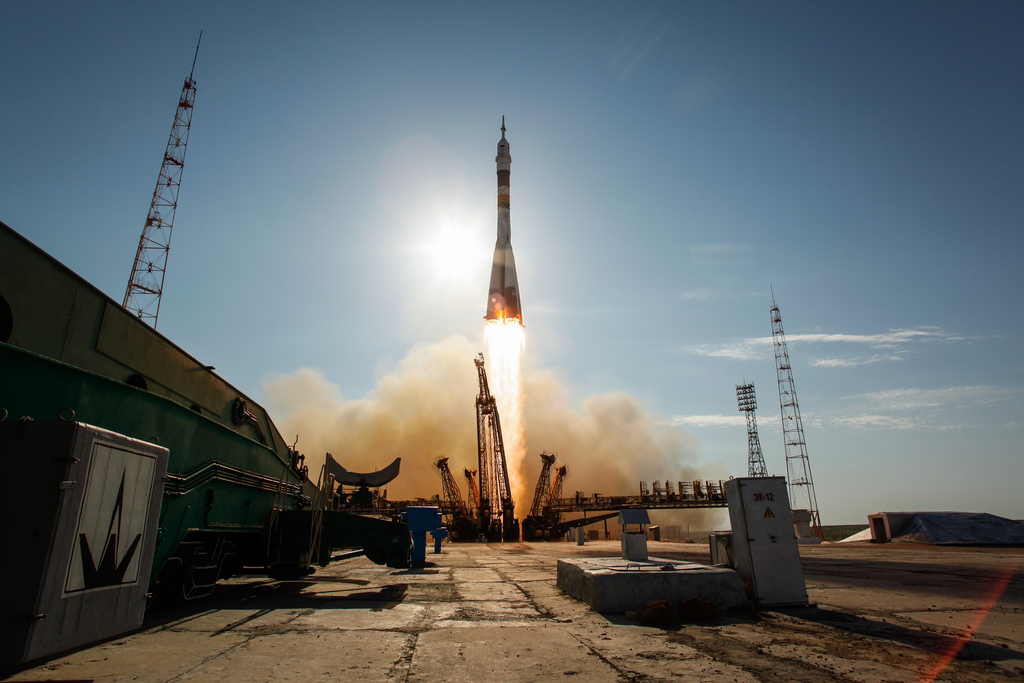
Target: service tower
{"x": 503, "y": 295}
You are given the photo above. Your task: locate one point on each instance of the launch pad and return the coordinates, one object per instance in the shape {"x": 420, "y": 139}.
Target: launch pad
{"x": 615, "y": 586}
{"x": 488, "y": 511}
{"x": 492, "y": 612}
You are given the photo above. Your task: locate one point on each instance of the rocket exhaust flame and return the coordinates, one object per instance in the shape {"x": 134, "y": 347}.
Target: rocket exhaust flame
{"x": 505, "y": 344}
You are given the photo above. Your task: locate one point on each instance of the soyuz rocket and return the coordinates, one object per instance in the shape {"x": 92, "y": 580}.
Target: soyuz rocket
{"x": 503, "y": 295}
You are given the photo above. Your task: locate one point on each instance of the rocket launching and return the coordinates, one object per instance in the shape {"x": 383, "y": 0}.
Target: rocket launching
{"x": 503, "y": 295}
{"x": 503, "y": 334}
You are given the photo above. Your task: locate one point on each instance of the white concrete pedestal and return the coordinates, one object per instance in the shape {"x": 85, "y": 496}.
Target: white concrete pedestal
{"x": 634, "y": 547}
{"x": 615, "y": 586}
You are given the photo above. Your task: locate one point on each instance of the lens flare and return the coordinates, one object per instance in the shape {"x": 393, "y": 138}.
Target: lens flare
{"x": 505, "y": 344}
{"x": 995, "y": 592}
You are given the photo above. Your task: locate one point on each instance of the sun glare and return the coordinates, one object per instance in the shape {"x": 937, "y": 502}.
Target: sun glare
{"x": 455, "y": 254}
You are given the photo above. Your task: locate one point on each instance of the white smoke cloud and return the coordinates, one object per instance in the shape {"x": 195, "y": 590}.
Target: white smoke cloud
{"x": 425, "y": 406}
{"x": 422, "y": 408}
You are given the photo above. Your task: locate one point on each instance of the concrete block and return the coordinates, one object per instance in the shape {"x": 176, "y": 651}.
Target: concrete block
{"x": 634, "y": 547}
{"x": 616, "y": 586}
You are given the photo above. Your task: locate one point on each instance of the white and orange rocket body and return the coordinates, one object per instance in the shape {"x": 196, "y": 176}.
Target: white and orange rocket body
{"x": 503, "y": 295}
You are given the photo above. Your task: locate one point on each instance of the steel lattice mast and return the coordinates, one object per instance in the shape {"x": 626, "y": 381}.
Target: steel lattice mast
{"x": 450, "y": 488}
{"x": 497, "y": 515}
{"x": 146, "y": 284}
{"x": 748, "y": 404}
{"x": 543, "y": 490}
{"x": 798, "y": 466}
{"x": 473, "y": 496}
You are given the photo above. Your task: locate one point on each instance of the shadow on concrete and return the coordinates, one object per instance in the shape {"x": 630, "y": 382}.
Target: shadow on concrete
{"x": 418, "y": 568}
{"x": 268, "y": 596}
{"x": 921, "y": 639}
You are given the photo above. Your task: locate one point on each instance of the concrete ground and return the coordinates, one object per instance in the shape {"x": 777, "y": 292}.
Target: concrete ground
{"x": 493, "y": 613}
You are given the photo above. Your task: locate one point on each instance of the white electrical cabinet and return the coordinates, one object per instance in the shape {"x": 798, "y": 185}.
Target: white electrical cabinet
{"x": 764, "y": 545}
{"x": 83, "y": 504}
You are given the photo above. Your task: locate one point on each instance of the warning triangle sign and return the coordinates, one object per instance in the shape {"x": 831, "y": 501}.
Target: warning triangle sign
{"x": 768, "y": 513}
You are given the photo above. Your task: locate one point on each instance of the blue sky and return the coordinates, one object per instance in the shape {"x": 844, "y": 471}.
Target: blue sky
{"x": 671, "y": 161}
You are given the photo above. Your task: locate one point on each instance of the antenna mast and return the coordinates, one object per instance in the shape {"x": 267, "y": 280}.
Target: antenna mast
{"x": 146, "y": 284}
{"x": 801, "y": 485}
{"x": 748, "y": 404}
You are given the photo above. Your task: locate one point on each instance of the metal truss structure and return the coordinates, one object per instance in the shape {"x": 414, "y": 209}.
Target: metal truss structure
{"x": 146, "y": 284}
{"x": 748, "y": 404}
{"x": 798, "y": 465}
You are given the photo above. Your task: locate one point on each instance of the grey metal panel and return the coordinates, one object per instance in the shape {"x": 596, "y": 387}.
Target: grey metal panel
{"x": 378, "y": 478}
{"x": 130, "y": 341}
{"x": 634, "y": 516}
{"x": 763, "y": 541}
{"x": 99, "y": 499}
{"x": 720, "y": 544}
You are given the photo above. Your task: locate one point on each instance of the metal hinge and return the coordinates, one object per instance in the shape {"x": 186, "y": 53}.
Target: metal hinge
{"x": 28, "y": 617}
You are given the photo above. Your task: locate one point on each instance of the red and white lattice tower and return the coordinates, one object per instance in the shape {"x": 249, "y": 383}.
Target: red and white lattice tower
{"x": 798, "y": 466}
{"x": 146, "y": 284}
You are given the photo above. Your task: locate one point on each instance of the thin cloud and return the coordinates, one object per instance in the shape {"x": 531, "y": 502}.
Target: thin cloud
{"x": 720, "y": 254}
{"x": 876, "y": 422}
{"x": 709, "y": 420}
{"x": 745, "y": 349}
{"x": 884, "y": 340}
{"x": 637, "y": 46}
{"x": 703, "y": 89}
{"x": 894, "y": 342}
{"x": 702, "y": 294}
{"x": 894, "y": 409}
{"x": 852, "y": 362}
{"x": 948, "y": 397}
{"x": 940, "y": 409}
{"x": 768, "y": 420}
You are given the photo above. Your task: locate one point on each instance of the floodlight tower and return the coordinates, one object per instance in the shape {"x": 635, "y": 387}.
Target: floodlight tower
{"x": 798, "y": 466}
{"x": 748, "y": 404}
{"x": 146, "y": 284}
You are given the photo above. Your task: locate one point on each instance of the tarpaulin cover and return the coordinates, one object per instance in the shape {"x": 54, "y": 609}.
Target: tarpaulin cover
{"x": 954, "y": 528}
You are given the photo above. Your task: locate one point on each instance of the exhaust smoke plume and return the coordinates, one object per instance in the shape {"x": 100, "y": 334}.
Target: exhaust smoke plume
{"x": 425, "y": 406}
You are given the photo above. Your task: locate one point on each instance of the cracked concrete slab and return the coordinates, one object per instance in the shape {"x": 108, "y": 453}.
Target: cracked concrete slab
{"x": 502, "y": 654}
{"x": 486, "y": 612}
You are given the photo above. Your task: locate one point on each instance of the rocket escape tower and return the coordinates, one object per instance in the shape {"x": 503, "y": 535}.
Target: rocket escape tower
{"x": 146, "y": 284}
{"x": 748, "y": 404}
{"x": 798, "y": 466}
{"x": 496, "y": 519}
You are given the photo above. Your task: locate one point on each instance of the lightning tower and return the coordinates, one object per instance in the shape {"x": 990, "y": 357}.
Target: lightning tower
{"x": 748, "y": 404}
{"x": 798, "y": 466}
{"x": 146, "y": 284}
